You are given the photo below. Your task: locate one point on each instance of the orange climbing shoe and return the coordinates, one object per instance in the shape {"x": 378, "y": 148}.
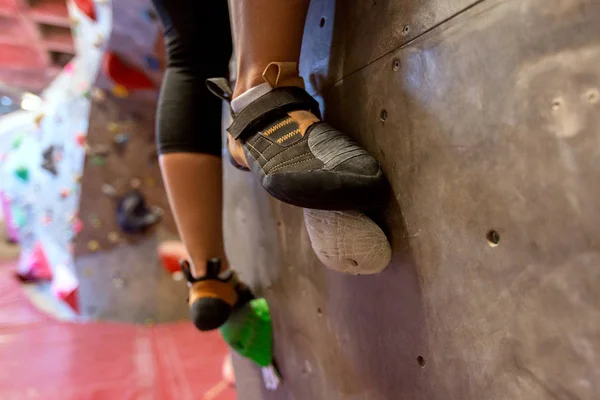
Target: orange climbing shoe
{"x": 213, "y": 297}
{"x": 298, "y": 158}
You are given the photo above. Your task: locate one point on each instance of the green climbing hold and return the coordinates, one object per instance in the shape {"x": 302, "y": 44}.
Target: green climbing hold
{"x": 17, "y": 142}
{"x": 249, "y": 332}
{"x": 22, "y": 173}
{"x": 18, "y": 216}
{"x": 98, "y": 160}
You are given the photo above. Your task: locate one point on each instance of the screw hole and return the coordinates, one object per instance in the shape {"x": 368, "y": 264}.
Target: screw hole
{"x": 405, "y": 30}
{"x": 322, "y": 22}
{"x": 421, "y": 361}
{"x": 319, "y": 311}
{"x": 354, "y": 262}
{"x": 556, "y": 104}
{"x": 493, "y": 238}
{"x": 593, "y": 96}
{"x": 396, "y": 64}
{"x": 383, "y": 115}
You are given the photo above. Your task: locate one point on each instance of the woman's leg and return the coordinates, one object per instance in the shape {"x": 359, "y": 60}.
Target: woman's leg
{"x": 265, "y": 31}
{"x": 198, "y": 43}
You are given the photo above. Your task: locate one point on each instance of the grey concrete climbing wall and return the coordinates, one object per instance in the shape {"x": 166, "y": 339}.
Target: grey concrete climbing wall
{"x": 485, "y": 118}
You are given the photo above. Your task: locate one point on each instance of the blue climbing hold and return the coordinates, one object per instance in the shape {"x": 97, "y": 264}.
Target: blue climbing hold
{"x": 152, "y": 63}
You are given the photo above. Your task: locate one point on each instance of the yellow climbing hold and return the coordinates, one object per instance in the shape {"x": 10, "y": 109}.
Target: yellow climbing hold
{"x": 93, "y": 245}
{"x": 112, "y": 127}
{"x": 96, "y": 223}
{"x": 38, "y": 119}
{"x": 113, "y": 237}
{"x": 150, "y": 182}
{"x": 120, "y": 91}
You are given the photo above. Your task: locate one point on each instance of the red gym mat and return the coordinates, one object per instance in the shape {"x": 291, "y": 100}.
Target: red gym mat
{"x": 47, "y": 359}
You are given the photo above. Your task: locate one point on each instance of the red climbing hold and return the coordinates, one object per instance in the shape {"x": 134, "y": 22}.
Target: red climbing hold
{"x": 80, "y": 139}
{"x": 87, "y": 7}
{"x": 124, "y": 75}
{"x": 170, "y": 252}
{"x": 34, "y": 266}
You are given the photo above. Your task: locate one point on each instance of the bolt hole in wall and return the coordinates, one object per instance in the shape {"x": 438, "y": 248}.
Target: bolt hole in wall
{"x": 556, "y": 103}
{"x": 395, "y": 64}
{"x": 405, "y": 30}
{"x": 322, "y": 22}
{"x": 383, "y": 115}
{"x": 493, "y": 238}
{"x": 421, "y": 361}
{"x": 320, "y": 312}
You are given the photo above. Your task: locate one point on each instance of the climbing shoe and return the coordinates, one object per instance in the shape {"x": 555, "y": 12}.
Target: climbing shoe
{"x": 298, "y": 158}
{"x": 212, "y": 298}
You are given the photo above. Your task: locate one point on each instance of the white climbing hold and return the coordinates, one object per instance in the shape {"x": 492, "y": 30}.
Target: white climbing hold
{"x": 348, "y": 241}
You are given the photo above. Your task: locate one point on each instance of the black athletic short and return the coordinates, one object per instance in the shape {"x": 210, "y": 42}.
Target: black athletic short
{"x": 198, "y": 44}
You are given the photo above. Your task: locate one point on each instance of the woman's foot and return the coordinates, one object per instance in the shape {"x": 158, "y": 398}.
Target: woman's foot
{"x": 298, "y": 158}
{"x": 214, "y": 296}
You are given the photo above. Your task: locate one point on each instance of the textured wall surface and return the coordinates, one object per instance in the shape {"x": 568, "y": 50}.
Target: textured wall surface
{"x": 491, "y": 134}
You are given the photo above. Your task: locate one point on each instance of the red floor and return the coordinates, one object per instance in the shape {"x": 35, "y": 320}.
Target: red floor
{"x": 41, "y": 358}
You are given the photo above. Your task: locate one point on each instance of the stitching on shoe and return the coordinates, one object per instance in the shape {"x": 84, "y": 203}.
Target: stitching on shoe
{"x": 257, "y": 152}
{"x": 288, "y": 165}
{"x": 286, "y": 162}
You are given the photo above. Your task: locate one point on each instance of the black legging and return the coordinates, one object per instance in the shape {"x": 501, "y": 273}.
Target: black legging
{"x": 198, "y": 43}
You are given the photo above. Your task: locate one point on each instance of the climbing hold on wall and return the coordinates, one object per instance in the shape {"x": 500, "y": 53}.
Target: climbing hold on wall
{"x": 348, "y": 241}
{"x": 17, "y": 142}
{"x": 120, "y": 91}
{"x": 249, "y": 332}
{"x": 132, "y": 214}
{"x": 121, "y": 139}
{"x": 170, "y": 253}
{"x": 149, "y": 321}
{"x": 113, "y": 127}
{"x": 38, "y": 118}
{"x": 113, "y": 237}
{"x": 22, "y": 173}
{"x": 129, "y": 77}
{"x": 69, "y": 68}
{"x": 18, "y": 216}
{"x": 99, "y": 41}
{"x": 46, "y": 220}
{"x": 77, "y": 225}
{"x": 149, "y": 15}
{"x": 48, "y": 162}
{"x": 93, "y": 245}
{"x": 152, "y": 62}
{"x": 135, "y": 183}
{"x": 86, "y": 7}
{"x": 65, "y": 192}
{"x": 109, "y": 190}
{"x": 80, "y": 139}
{"x": 95, "y": 221}
{"x": 100, "y": 150}
{"x": 118, "y": 282}
{"x": 98, "y": 94}
{"x": 34, "y": 265}
{"x": 98, "y": 160}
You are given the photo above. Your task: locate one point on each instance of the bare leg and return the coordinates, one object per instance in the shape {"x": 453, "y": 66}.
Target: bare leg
{"x": 194, "y": 185}
{"x": 265, "y": 31}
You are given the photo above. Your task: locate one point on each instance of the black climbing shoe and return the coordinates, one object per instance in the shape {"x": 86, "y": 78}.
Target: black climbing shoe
{"x": 211, "y": 298}
{"x": 298, "y": 158}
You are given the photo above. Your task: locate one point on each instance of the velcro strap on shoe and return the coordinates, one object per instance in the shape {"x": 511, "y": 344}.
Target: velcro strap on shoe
{"x": 269, "y": 107}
